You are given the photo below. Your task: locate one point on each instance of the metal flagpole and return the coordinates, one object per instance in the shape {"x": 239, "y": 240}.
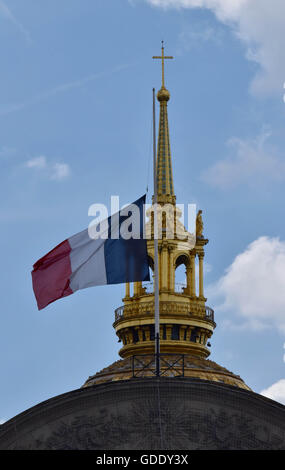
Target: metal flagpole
{"x": 155, "y": 232}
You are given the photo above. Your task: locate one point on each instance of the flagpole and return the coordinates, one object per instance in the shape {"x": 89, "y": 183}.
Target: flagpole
{"x": 155, "y": 233}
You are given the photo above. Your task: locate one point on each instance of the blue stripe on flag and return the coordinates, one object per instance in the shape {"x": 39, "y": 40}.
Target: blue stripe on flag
{"x": 127, "y": 260}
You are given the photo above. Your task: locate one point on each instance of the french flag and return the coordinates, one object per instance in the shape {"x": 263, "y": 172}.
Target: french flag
{"x": 81, "y": 261}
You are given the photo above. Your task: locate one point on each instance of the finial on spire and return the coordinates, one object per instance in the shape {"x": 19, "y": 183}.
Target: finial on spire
{"x": 162, "y": 57}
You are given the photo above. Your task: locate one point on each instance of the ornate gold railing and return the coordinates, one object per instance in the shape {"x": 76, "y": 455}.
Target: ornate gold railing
{"x": 209, "y": 313}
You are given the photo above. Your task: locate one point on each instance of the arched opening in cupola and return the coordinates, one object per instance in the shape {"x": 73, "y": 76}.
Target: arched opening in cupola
{"x": 182, "y": 263}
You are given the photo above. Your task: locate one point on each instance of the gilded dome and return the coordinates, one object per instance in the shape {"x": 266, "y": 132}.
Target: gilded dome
{"x": 194, "y": 367}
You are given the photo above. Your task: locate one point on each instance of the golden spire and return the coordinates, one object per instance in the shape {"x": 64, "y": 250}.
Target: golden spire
{"x": 186, "y": 323}
{"x": 165, "y": 189}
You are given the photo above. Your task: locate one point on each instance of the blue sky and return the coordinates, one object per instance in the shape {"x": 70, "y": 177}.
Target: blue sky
{"x": 75, "y": 128}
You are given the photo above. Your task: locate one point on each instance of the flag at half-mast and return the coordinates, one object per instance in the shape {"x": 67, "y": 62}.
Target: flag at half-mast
{"x": 119, "y": 255}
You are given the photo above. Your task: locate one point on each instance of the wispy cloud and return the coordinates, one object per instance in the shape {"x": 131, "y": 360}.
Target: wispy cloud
{"x": 250, "y": 162}
{"x": 65, "y": 87}
{"x": 5, "y": 12}
{"x": 53, "y": 171}
{"x": 37, "y": 162}
{"x": 60, "y": 172}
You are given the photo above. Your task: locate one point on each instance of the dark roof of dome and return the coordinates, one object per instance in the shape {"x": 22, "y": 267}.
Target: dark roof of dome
{"x": 194, "y": 414}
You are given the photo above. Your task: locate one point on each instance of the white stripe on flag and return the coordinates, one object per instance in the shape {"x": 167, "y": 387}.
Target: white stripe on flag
{"x": 87, "y": 261}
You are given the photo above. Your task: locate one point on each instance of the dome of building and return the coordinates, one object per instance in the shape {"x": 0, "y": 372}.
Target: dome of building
{"x": 150, "y": 414}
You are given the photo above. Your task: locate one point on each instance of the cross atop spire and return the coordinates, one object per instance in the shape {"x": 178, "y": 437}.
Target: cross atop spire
{"x": 162, "y": 57}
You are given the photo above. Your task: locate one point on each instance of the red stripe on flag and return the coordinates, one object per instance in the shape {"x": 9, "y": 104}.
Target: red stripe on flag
{"x": 51, "y": 275}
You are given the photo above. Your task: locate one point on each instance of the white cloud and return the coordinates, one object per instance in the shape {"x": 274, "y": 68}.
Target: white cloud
{"x": 223, "y": 8}
{"x": 5, "y": 12}
{"x": 53, "y": 171}
{"x": 276, "y": 391}
{"x": 251, "y": 162}
{"x": 37, "y": 162}
{"x": 2, "y": 421}
{"x": 259, "y": 24}
{"x": 252, "y": 290}
{"x": 60, "y": 171}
